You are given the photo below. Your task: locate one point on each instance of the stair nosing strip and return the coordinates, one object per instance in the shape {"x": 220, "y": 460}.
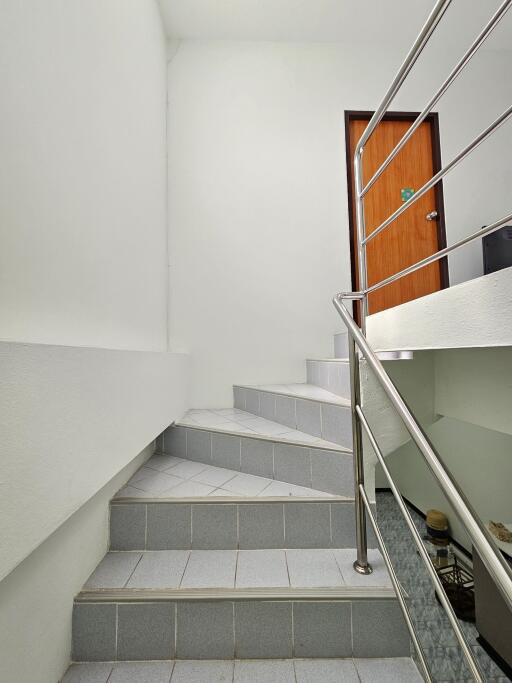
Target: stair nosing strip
{"x": 233, "y": 500}
{"x": 327, "y": 360}
{"x": 256, "y": 387}
{"x": 264, "y": 437}
{"x": 235, "y": 594}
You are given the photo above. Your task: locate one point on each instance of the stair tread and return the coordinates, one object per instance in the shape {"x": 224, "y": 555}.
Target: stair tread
{"x": 242, "y": 423}
{"x": 168, "y": 477}
{"x": 398, "y": 669}
{"x": 236, "y": 570}
{"x": 306, "y": 391}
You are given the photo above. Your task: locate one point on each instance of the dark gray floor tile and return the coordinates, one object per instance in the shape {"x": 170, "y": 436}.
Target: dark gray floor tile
{"x": 169, "y": 526}
{"x": 308, "y": 417}
{"x": 322, "y": 629}
{"x": 261, "y": 526}
{"x": 257, "y": 457}
{"x": 268, "y": 406}
{"x": 307, "y": 525}
{"x": 285, "y": 411}
{"x": 379, "y": 629}
{"x": 142, "y": 672}
{"x": 263, "y": 630}
{"x": 94, "y": 632}
{"x": 292, "y": 464}
{"x": 337, "y": 424}
{"x": 128, "y": 526}
{"x": 175, "y": 441}
{"x": 239, "y": 398}
{"x": 226, "y": 451}
{"x": 146, "y": 631}
{"x": 332, "y": 472}
{"x": 214, "y": 527}
{"x": 205, "y": 630}
{"x": 199, "y": 445}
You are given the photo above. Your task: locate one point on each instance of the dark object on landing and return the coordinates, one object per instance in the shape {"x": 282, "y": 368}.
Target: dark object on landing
{"x": 497, "y": 249}
{"x": 459, "y": 587}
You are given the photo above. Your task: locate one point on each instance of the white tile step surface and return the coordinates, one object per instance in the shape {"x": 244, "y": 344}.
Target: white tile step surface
{"x": 235, "y": 569}
{"x": 165, "y": 476}
{"x": 240, "y": 422}
{"x": 393, "y": 670}
{"x": 308, "y": 391}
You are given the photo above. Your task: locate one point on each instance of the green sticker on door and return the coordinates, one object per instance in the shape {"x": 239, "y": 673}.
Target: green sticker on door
{"x": 406, "y": 193}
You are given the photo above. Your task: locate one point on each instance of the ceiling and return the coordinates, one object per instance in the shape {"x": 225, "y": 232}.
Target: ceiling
{"x": 322, "y": 20}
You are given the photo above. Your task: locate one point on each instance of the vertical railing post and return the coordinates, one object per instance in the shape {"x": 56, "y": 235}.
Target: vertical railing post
{"x": 361, "y": 565}
{"x": 361, "y": 236}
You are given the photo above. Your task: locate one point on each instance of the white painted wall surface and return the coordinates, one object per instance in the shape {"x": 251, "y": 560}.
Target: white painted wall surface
{"x": 71, "y": 419}
{"x": 479, "y": 460}
{"x": 258, "y": 218}
{"x": 36, "y": 599}
{"x": 82, "y": 180}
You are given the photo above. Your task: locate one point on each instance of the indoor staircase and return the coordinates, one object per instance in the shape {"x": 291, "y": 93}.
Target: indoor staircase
{"x": 231, "y": 553}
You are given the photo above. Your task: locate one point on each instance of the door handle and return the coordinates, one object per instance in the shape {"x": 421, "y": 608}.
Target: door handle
{"x": 432, "y": 216}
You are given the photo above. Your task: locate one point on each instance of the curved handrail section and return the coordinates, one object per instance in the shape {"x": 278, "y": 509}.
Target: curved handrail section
{"x": 479, "y": 535}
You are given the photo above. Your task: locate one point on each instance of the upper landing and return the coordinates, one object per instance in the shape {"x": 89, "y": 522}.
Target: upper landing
{"x": 477, "y": 313}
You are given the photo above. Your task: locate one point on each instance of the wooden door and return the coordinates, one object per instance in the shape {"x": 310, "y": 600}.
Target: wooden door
{"x": 411, "y": 237}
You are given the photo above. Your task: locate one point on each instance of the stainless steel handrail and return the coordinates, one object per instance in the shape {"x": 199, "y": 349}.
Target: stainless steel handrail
{"x": 417, "y": 540}
{"x": 480, "y": 537}
{"x": 441, "y": 173}
{"x": 457, "y": 70}
{"x": 442, "y": 253}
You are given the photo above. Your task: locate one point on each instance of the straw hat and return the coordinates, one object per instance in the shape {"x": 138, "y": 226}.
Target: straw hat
{"x": 437, "y": 525}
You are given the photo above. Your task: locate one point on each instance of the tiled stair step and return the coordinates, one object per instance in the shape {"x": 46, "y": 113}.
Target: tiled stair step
{"x": 261, "y": 616}
{"x": 224, "y": 524}
{"x": 305, "y": 407}
{"x": 331, "y": 374}
{"x": 396, "y": 669}
{"x": 328, "y": 469}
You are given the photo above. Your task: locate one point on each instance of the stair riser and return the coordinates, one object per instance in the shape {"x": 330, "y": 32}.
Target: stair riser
{"x": 322, "y": 469}
{"x": 341, "y": 345}
{"x": 331, "y": 376}
{"x": 231, "y": 526}
{"x": 325, "y": 420}
{"x": 226, "y": 629}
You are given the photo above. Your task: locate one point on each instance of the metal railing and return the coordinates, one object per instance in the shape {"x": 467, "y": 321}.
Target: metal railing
{"x": 479, "y": 535}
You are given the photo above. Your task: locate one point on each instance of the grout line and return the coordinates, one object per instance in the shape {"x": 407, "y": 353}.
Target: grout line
{"x": 117, "y": 627}
{"x": 185, "y": 568}
{"x": 173, "y": 662}
{"x": 133, "y": 571}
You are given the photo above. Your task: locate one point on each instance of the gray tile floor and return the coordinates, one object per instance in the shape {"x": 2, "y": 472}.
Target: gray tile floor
{"x": 436, "y": 635}
{"x": 303, "y": 390}
{"x": 237, "y": 421}
{"x": 165, "y": 476}
{"x": 186, "y": 569}
{"x": 399, "y": 670}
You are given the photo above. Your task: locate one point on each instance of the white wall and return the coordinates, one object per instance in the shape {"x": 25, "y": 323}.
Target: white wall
{"x": 258, "y": 200}
{"x": 71, "y": 419}
{"x": 82, "y": 180}
{"x": 36, "y": 599}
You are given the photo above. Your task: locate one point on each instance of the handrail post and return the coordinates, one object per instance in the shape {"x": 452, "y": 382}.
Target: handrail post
{"x": 361, "y": 565}
{"x": 361, "y": 237}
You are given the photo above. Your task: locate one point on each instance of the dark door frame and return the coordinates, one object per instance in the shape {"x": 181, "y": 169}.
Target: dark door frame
{"x": 433, "y": 120}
